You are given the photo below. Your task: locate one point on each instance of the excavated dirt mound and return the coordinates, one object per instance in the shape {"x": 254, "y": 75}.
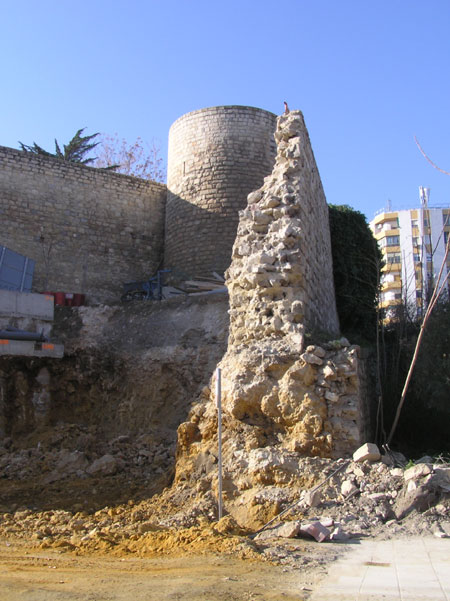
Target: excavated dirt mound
{"x": 91, "y": 468}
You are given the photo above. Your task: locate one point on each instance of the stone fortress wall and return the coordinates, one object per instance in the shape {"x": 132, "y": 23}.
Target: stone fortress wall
{"x": 88, "y": 230}
{"x": 217, "y": 156}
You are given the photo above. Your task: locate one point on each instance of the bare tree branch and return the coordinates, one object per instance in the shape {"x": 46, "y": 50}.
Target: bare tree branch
{"x": 428, "y": 158}
{"x": 437, "y": 291}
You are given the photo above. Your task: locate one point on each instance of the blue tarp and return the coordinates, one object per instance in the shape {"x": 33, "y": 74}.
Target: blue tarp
{"x": 16, "y": 271}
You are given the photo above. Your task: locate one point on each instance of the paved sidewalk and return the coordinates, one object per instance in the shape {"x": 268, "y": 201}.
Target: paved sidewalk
{"x": 407, "y": 569}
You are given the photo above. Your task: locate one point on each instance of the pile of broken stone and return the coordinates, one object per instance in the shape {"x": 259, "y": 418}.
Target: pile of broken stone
{"x": 371, "y": 496}
{"x": 60, "y": 457}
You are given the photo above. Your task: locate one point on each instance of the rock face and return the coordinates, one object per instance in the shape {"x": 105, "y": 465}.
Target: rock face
{"x": 283, "y": 398}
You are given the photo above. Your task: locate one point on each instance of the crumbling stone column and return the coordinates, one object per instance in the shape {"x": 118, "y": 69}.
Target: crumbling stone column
{"x": 291, "y": 387}
{"x": 281, "y": 276}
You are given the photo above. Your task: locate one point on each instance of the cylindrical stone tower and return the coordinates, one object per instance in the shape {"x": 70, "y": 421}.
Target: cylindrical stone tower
{"x": 217, "y": 156}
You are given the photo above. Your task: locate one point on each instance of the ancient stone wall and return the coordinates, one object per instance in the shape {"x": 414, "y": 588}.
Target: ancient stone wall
{"x": 216, "y": 157}
{"x": 281, "y": 276}
{"x": 88, "y": 230}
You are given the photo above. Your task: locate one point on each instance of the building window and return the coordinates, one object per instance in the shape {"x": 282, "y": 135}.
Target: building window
{"x": 416, "y": 258}
{"x": 446, "y": 218}
{"x": 393, "y": 258}
{"x": 393, "y": 240}
{"x": 415, "y": 241}
{"x": 418, "y": 293}
{"x": 445, "y": 237}
{"x": 414, "y": 223}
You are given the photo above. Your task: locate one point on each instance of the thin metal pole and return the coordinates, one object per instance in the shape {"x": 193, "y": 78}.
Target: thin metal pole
{"x": 219, "y": 434}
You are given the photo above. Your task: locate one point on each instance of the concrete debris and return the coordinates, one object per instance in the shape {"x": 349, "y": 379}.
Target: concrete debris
{"x": 316, "y": 530}
{"x": 385, "y": 506}
{"x": 284, "y": 530}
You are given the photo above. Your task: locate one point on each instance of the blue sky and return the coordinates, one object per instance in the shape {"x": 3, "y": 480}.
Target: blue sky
{"x": 368, "y": 76}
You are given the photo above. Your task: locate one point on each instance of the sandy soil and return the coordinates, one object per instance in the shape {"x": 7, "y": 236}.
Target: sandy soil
{"x": 28, "y": 574}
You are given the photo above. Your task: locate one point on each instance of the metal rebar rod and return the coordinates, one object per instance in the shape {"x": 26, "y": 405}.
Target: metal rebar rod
{"x": 219, "y": 435}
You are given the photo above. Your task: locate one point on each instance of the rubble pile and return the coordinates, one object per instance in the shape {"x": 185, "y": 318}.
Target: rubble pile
{"x": 143, "y": 457}
{"x": 366, "y": 499}
{"x": 328, "y": 501}
{"x": 55, "y": 472}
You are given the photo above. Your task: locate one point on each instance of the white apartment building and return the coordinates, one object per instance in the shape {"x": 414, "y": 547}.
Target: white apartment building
{"x": 413, "y": 244}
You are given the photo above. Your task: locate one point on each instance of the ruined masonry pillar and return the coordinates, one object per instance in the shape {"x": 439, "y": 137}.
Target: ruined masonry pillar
{"x": 281, "y": 277}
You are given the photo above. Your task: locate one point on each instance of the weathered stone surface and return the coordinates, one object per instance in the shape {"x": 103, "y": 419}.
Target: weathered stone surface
{"x": 216, "y": 157}
{"x": 288, "y": 529}
{"x": 368, "y": 452}
{"x": 348, "y": 488}
{"x": 89, "y": 230}
{"x": 420, "y": 498}
{"x": 417, "y": 471}
{"x": 70, "y": 462}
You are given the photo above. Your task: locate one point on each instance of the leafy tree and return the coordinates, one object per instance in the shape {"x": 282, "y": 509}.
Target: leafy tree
{"x": 75, "y": 151}
{"x": 139, "y": 159}
{"x": 356, "y": 270}
{"x": 423, "y": 427}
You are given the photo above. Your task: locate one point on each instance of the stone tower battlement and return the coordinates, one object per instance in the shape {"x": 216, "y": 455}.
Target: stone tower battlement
{"x": 216, "y": 156}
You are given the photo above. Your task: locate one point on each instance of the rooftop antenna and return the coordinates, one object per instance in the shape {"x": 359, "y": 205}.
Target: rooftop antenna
{"x": 388, "y": 205}
{"x": 424, "y": 196}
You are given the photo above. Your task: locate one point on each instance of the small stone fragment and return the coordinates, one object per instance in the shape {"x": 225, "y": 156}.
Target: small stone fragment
{"x": 312, "y": 498}
{"x": 368, "y": 452}
{"x": 316, "y": 530}
{"x": 348, "y": 488}
{"x": 339, "y": 534}
{"x": 417, "y": 471}
{"x": 288, "y": 529}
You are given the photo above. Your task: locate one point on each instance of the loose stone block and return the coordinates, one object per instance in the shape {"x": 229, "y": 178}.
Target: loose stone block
{"x": 368, "y": 452}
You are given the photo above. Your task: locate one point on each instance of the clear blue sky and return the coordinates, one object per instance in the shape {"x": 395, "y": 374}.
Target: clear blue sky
{"x": 368, "y": 76}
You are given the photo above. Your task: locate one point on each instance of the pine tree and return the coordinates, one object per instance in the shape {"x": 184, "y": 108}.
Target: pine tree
{"x": 74, "y": 151}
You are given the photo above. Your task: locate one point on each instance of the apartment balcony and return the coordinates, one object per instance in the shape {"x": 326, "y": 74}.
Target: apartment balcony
{"x": 390, "y": 303}
{"x": 382, "y": 233}
{"x": 392, "y": 268}
{"x": 396, "y": 285}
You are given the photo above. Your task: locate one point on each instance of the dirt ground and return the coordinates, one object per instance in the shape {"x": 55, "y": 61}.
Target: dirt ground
{"x": 30, "y": 574}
